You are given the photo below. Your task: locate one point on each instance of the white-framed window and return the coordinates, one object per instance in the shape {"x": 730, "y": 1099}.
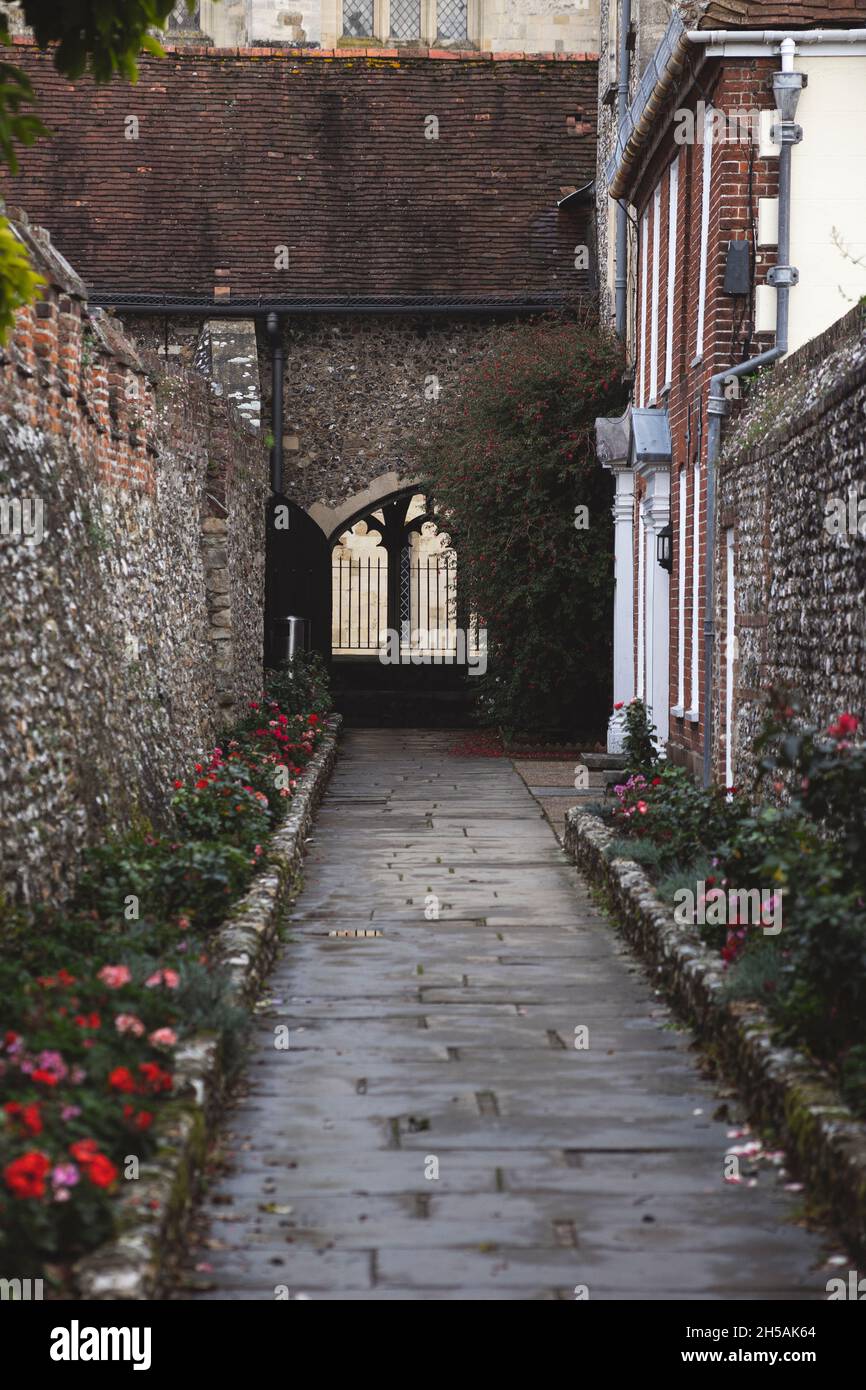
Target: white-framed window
{"x": 654, "y": 307}
{"x": 644, "y": 257}
{"x": 683, "y": 508}
{"x": 706, "y": 184}
{"x": 673, "y": 203}
{"x": 694, "y": 692}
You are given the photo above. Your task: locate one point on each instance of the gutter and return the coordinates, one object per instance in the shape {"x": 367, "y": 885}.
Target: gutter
{"x": 787, "y": 86}
{"x": 667, "y": 66}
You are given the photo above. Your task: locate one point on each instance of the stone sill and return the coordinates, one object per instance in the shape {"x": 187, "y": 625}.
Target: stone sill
{"x": 134, "y": 1263}
{"x": 781, "y": 1087}
{"x": 361, "y": 49}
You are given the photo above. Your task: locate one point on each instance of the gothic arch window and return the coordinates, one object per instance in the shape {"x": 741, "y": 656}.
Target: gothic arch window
{"x": 394, "y": 571}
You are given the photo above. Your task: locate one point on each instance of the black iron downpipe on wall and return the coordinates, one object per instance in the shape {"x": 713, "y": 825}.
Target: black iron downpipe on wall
{"x": 275, "y": 337}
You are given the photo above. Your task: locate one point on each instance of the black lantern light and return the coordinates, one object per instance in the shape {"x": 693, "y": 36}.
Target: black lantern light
{"x": 665, "y": 548}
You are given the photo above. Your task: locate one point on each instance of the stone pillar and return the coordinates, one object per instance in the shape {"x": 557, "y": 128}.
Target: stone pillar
{"x": 657, "y": 509}
{"x": 612, "y": 438}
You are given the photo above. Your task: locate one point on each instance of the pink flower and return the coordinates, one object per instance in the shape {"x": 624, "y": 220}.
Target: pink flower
{"x": 163, "y": 1037}
{"x": 183, "y": 923}
{"x": 169, "y": 978}
{"x": 642, "y": 808}
{"x": 65, "y": 1175}
{"x": 70, "y": 1112}
{"x": 128, "y": 1023}
{"x": 115, "y": 976}
{"x": 53, "y": 1064}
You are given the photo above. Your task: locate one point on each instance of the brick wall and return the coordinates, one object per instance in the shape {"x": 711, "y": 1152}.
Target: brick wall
{"x": 740, "y": 176}
{"x": 267, "y": 172}
{"x": 131, "y": 565}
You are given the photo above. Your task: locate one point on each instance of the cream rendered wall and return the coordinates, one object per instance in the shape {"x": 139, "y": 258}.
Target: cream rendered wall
{"x": 539, "y": 26}
{"x": 519, "y": 26}
{"x": 828, "y": 191}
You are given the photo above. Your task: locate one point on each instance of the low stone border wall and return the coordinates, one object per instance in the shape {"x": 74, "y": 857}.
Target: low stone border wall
{"x": 153, "y": 1215}
{"x": 779, "y": 1085}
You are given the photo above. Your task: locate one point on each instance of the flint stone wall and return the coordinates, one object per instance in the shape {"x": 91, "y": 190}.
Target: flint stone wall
{"x": 132, "y": 611}
{"x": 799, "y": 587}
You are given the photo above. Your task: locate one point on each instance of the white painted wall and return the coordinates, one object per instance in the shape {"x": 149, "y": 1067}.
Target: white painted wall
{"x": 828, "y": 190}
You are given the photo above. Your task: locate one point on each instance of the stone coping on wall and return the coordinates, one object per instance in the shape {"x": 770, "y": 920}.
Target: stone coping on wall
{"x": 351, "y": 51}
{"x": 780, "y": 1086}
{"x": 153, "y": 1215}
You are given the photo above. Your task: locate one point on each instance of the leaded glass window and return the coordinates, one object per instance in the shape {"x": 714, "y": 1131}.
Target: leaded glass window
{"x": 358, "y": 19}
{"x": 451, "y": 17}
{"x": 405, "y": 19}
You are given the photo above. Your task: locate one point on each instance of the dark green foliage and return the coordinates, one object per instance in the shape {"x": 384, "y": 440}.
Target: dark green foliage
{"x": 509, "y": 467}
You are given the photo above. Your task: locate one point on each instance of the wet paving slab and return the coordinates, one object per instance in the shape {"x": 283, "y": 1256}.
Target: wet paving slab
{"x": 486, "y": 1100}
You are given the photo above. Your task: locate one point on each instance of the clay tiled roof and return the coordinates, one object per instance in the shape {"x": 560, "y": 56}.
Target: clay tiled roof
{"x": 238, "y": 155}
{"x": 780, "y": 14}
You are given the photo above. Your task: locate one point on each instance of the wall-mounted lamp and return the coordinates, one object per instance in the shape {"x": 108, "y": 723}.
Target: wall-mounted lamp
{"x": 665, "y": 548}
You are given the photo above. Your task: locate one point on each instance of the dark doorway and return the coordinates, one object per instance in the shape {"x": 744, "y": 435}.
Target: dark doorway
{"x": 298, "y": 570}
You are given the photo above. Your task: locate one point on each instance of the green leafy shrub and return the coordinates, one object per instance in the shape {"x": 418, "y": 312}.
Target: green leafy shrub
{"x": 641, "y": 740}
{"x": 510, "y": 468}
{"x": 97, "y": 999}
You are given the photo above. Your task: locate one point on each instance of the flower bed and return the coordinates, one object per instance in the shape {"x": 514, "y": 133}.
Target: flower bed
{"x": 100, "y": 1000}
{"x": 774, "y": 881}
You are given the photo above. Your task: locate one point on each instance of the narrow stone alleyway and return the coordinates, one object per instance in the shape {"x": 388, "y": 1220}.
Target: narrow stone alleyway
{"x": 451, "y": 1043}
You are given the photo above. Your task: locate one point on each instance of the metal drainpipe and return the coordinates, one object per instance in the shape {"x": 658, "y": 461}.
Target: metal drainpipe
{"x": 621, "y": 281}
{"x": 787, "y": 86}
{"x": 276, "y": 340}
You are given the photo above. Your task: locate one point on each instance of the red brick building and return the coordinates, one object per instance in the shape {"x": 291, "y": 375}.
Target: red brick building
{"x": 737, "y": 257}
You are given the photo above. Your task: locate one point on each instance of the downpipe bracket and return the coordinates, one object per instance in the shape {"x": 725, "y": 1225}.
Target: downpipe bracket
{"x": 783, "y": 276}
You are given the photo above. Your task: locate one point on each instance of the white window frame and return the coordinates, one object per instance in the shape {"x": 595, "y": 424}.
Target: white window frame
{"x": 706, "y": 185}
{"x": 654, "y": 303}
{"x": 673, "y": 206}
{"x": 679, "y": 708}
{"x": 692, "y": 713}
{"x": 644, "y": 257}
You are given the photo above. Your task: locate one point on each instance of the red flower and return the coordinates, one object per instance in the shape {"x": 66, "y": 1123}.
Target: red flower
{"x": 154, "y": 1076}
{"x": 83, "y": 1151}
{"x": 121, "y": 1079}
{"x": 201, "y": 784}
{"x": 177, "y": 783}
{"x": 101, "y": 1171}
{"x": 25, "y": 1176}
{"x": 312, "y": 719}
{"x": 28, "y": 1116}
{"x": 143, "y": 1120}
{"x": 46, "y": 1078}
{"x": 845, "y": 725}
{"x": 88, "y": 1021}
